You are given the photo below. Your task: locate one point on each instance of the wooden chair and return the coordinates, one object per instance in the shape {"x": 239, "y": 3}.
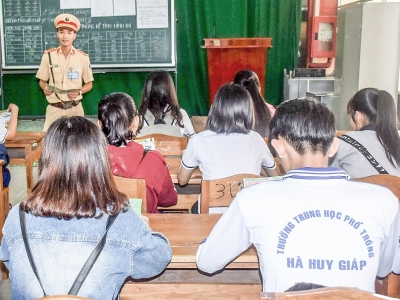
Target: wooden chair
{"x": 167, "y": 145}
{"x": 164, "y": 291}
{"x": 328, "y": 293}
{"x": 63, "y": 297}
{"x": 184, "y": 205}
{"x": 199, "y": 123}
{"x": 220, "y": 192}
{"x": 133, "y": 188}
{"x": 389, "y": 286}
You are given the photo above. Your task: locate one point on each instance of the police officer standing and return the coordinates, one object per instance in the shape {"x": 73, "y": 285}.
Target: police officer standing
{"x": 62, "y": 71}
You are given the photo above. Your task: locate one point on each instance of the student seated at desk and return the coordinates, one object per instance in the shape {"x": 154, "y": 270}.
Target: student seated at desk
{"x": 263, "y": 111}
{"x": 314, "y": 225}
{"x": 118, "y": 119}
{"x": 7, "y": 132}
{"x": 373, "y": 117}
{"x": 66, "y": 216}
{"x": 228, "y": 146}
{"x": 159, "y": 110}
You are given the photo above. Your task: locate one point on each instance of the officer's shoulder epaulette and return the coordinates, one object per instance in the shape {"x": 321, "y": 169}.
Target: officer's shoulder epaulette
{"x": 84, "y": 53}
{"x": 49, "y": 50}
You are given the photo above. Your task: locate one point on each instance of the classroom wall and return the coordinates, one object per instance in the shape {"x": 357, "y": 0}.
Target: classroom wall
{"x": 196, "y": 20}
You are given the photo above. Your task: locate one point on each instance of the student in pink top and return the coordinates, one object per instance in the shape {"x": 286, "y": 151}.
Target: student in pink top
{"x": 262, "y": 110}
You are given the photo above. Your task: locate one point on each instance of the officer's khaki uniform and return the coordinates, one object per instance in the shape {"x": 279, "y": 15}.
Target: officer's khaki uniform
{"x": 77, "y": 61}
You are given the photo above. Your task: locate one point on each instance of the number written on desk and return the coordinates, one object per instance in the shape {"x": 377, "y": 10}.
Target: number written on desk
{"x": 231, "y": 187}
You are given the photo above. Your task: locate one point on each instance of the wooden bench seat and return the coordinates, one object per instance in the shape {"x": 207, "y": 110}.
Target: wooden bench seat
{"x": 171, "y": 291}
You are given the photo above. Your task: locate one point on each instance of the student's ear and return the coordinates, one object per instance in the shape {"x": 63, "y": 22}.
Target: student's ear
{"x": 334, "y": 147}
{"x": 99, "y": 124}
{"x": 279, "y": 147}
{"x": 134, "y": 125}
{"x": 361, "y": 120}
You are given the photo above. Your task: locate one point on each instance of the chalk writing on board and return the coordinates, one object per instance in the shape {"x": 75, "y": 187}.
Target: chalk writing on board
{"x": 28, "y": 30}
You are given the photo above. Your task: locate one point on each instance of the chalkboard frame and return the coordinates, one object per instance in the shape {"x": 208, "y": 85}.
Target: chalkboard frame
{"x": 130, "y": 66}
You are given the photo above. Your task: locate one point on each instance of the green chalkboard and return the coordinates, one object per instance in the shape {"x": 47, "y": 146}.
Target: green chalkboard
{"x": 115, "y": 33}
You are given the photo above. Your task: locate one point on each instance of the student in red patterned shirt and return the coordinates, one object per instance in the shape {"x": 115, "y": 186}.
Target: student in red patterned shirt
{"x": 118, "y": 119}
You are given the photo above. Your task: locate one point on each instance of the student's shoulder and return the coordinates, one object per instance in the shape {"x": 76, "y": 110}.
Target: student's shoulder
{"x": 253, "y": 135}
{"x": 366, "y": 186}
{"x": 155, "y": 157}
{"x": 372, "y": 192}
{"x": 183, "y": 112}
{"x": 205, "y": 137}
{"x": 362, "y": 135}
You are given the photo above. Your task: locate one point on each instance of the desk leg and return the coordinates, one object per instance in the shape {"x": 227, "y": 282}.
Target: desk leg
{"x": 29, "y": 175}
{"x": 29, "y": 172}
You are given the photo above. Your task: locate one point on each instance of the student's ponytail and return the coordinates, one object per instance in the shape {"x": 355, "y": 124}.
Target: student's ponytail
{"x": 379, "y": 109}
{"x": 249, "y": 80}
{"x": 261, "y": 111}
{"x": 386, "y": 127}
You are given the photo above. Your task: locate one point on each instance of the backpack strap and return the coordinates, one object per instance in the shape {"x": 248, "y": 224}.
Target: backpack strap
{"x": 92, "y": 259}
{"x": 86, "y": 267}
{"x": 145, "y": 150}
{"x": 364, "y": 151}
{"x": 27, "y": 248}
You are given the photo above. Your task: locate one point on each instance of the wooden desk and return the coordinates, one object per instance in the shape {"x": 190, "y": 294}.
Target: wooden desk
{"x": 181, "y": 280}
{"x": 174, "y": 163}
{"x": 185, "y": 233}
{"x": 24, "y": 149}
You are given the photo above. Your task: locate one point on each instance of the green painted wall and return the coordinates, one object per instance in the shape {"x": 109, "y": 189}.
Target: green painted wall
{"x": 197, "y": 19}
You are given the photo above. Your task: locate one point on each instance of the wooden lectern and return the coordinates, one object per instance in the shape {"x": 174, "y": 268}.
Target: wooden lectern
{"x": 227, "y": 56}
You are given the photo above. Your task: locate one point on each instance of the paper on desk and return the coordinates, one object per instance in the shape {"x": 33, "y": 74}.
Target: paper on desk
{"x": 59, "y": 91}
{"x": 5, "y": 116}
{"x": 147, "y": 143}
{"x": 136, "y": 205}
{"x": 251, "y": 181}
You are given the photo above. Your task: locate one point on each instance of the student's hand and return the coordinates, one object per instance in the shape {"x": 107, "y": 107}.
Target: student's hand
{"x": 13, "y": 108}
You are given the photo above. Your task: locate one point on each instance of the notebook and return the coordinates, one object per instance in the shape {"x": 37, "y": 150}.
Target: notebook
{"x": 136, "y": 205}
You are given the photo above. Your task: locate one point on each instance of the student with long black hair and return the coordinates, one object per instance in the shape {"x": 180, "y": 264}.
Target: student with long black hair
{"x": 228, "y": 146}
{"x": 66, "y": 216}
{"x": 263, "y": 111}
{"x": 373, "y": 117}
{"x": 159, "y": 110}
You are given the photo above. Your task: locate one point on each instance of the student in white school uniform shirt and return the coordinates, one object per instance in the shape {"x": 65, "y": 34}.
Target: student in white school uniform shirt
{"x": 159, "y": 110}
{"x": 314, "y": 225}
{"x": 228, "y": 146}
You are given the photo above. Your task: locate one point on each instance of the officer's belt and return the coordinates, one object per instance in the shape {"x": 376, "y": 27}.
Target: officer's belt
{"x": 66, "y": 104}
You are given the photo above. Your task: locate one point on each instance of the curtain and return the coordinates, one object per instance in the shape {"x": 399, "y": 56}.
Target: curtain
{"x": 199, "y": 19}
